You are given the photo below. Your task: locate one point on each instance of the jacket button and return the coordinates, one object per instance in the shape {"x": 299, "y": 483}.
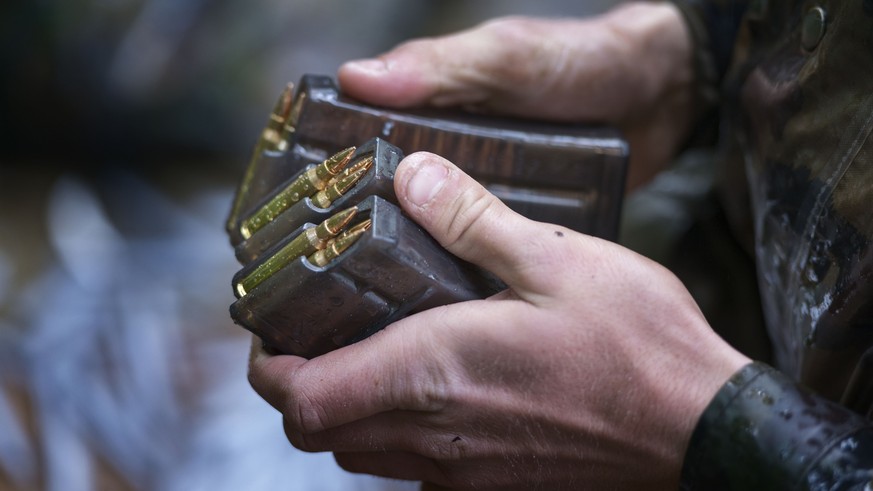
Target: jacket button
{"x": 813, "y": 29}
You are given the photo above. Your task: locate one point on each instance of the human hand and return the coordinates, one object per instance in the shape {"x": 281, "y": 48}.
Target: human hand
{"x": 630, "y": 68}
{"x": 590, "y": 370}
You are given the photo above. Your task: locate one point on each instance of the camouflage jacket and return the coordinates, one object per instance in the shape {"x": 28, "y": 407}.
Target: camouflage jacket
{"x": 793, "y": 81}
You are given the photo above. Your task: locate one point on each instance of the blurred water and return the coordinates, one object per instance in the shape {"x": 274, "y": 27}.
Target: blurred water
{"x": 123, "y": 364}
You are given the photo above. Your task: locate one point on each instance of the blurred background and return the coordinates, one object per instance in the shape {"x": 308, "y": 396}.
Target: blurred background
{"x": 124, "y": 127}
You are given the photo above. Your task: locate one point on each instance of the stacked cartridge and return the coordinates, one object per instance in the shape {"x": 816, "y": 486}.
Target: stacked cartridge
{"x": 320, "y": 275}
{"x": 329, "y": 258}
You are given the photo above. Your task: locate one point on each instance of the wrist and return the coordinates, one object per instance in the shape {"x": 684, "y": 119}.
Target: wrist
{"x": 689, "y": 375}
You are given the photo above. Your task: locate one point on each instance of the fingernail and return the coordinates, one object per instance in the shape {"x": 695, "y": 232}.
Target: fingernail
{"x": 372, "y": 66}
{"x": 425, "y": 183}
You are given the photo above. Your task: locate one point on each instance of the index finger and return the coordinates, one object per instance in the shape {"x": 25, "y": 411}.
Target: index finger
{"x": 395, "y": 368}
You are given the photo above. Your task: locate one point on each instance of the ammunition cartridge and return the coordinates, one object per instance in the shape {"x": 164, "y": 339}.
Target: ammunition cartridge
{"x": 307, "y": 242}
{"x": 307, "y": 289}
{"x": 305, "y": 185}
{"x": 340, "y": 244}
{"x": 376, "y": 157}
{"x": 272, "y": 138}
{"x": 364, "y": 164}
{"x": 291, "y": 123}
{"x": 391, "y": 269}
{"x": 340, "y": 187}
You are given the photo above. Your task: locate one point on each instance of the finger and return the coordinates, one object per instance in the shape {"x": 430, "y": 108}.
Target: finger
{"x": 395, "y": 369}
{"x": 270, "y": 375}
{"x": 386, "y": 371}
{"x": 395, "y": 431}
{"x": 518, "y": 66}
{"x": 476, "y": 226}
{"x": 426, "y": 486}
{"x": 454, "y": 475}
{"x": 447, "y": 70}
{"x": 394, "y": 465}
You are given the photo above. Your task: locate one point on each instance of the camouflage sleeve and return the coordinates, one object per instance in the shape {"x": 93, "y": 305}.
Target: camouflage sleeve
{"x": 762, "y": 431}
{"x": 713, "y": 26}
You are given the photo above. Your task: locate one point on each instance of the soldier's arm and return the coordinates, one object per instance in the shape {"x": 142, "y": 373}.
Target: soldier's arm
{"x": 762, "y": 430}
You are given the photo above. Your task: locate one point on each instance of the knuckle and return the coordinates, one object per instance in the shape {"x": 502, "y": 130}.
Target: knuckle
{"x": 442, "y": 448}
{"x": 253, "y": 376}
{"x": 415, "y": 46}
{"x": 473, "y": 207}
{"x": 438, "y": 444}
{"x": 428, "y": 396}
{"x": 423, "y": 387}
{"x": 521, "y": 37}
{"x": 509, "y": 25}
{"x": 530, "y": 53}
{"x": 302, "y": 411}
{"x": 305, "y": 414}
{"x": 452, "y": 477}
{"x": 260, "y": 382}
{"x": 299, "y": 440}
{"x": 349, "y": 462}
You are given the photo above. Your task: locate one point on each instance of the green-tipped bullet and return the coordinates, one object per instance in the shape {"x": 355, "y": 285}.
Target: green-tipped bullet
{"x": 337, "y": 246}
{"x": 311, "y": 182}
{"x": 308, "y": 242}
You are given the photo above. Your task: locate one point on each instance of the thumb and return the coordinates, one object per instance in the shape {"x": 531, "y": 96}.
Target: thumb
{"x": 467, "y": 220}
{"x": 442, "y": 71}
{"x": 505, "y": 66}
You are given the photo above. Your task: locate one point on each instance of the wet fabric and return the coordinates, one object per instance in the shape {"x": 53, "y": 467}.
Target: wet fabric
{"x": 790, "y": 439}
{"x": 796, "y": 113}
